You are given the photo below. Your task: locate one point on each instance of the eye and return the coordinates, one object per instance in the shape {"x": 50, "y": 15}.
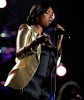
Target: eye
{"x": 47, "y": 12}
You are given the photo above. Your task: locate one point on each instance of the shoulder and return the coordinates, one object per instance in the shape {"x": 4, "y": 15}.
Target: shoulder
{"x": 23, "y": 31}
{"x": 24, "y": 26}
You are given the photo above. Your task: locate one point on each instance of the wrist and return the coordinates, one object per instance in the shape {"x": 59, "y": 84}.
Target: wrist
{"x": 33, "y": 50}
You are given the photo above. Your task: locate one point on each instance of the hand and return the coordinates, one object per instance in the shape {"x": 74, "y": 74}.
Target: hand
{"x": 43, "y": 39}
{"x": 40, "y": 40}
{"x": 60, "y": 27}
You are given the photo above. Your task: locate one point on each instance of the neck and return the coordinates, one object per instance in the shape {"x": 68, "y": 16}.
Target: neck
{"x": 38, "y": 29}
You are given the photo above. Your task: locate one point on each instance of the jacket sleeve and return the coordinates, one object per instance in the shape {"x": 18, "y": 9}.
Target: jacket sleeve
{"x": 21, "y": 39}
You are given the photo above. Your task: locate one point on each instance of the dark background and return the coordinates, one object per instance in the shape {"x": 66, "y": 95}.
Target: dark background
{"x": 70, "y": 16}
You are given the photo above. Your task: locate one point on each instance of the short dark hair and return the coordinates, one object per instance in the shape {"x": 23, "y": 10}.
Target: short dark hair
{"x": 37, "y": 9}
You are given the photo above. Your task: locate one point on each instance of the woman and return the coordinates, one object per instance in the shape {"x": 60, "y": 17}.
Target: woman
{"x": 34, "y": 55}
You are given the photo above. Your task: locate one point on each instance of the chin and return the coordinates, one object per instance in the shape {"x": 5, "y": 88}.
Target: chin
{"x": 47, "y": 25}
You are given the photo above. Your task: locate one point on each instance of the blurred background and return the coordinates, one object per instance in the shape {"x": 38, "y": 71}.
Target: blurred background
{"x": 69, "y": 15}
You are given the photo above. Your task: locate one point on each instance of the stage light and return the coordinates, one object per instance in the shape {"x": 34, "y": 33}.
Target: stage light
{"x": 61, "y": 70}
{"x": 3, "y": 3}
{"x": 3, "y": 35}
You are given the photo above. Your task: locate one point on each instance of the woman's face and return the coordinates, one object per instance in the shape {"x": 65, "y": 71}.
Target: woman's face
{"x": 45, "y": 19}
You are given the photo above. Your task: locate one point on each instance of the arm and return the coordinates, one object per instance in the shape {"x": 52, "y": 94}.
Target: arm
{"x": 29, "y": 49}
{"x": 26, "y": 50}
{"x": 22, "y": 50}
{"x": 60, "y": 38}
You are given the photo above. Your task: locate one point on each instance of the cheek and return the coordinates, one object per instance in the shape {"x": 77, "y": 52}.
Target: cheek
{"x": 46, "y": 19}
{"x": 45, "y": 22}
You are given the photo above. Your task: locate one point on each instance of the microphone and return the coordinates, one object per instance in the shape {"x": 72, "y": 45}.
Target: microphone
{"x": 59, "y": 29}
{"x": 62, "y": 31}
